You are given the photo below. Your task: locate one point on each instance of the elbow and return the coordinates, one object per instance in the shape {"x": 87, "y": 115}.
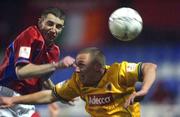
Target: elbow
{"x": 154, "y": 66}
{"x": 149, "y": 69}
{"x": 19, "y": 75}
{"x": 151, "y": 66}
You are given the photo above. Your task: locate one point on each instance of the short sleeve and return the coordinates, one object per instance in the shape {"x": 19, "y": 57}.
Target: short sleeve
{"x": 67, "y": 90}
{"x": 24, "y": 45}
{"x": 131, "y": 72}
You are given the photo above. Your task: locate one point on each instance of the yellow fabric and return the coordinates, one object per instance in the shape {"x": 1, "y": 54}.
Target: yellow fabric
{"x": 108, "y": 97}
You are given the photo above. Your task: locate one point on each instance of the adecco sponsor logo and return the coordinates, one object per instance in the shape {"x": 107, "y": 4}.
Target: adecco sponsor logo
{"x": 100, "y": 99}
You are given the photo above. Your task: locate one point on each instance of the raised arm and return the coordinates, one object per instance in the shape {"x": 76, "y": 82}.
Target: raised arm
{"x": 149, "y": 76}
{"x": 30, "y": 70}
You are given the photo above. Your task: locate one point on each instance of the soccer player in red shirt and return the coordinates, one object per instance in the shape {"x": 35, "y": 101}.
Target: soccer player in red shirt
{"x": 30, "y": 60}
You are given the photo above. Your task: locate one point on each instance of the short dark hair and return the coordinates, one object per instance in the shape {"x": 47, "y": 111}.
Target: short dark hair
{"x": 55, "y": 11}
{"x": 96, "y": 55}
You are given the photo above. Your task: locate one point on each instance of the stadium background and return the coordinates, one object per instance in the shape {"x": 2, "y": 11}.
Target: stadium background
{"x": 87, "y": 25}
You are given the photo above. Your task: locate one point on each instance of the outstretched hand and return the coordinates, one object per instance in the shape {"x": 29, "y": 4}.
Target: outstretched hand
{"x": 130, "y": 100}
{"x": 135, "y": 97}
{"x": 6, "y": 102}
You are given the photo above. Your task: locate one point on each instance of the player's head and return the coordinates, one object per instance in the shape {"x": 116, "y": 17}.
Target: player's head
{"x": 95, "y": 55}
{"x": 51, "y": 23}
{"x": 90, "y": 62}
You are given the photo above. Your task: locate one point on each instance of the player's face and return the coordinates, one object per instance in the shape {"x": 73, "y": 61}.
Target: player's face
{"x": 50, "y": 26}
{"x": 85, "y": 67}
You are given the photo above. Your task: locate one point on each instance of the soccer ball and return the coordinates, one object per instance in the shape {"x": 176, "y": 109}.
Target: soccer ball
{"x": 125, "y": 24}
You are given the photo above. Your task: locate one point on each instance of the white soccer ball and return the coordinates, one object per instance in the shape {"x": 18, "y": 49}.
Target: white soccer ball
{"x": 125, "y": 24}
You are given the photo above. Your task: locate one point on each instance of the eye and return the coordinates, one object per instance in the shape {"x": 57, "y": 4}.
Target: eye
{"x": 80, "y": 64}
{"x": 59, "y": 26}
{"x": 50, "y": 23}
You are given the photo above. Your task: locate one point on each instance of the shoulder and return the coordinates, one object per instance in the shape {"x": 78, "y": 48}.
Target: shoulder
{"x": 32, "y": 32}
{"x": 118, "y": 64}
{"x": 72, "y": 82}
{"x": 127, "y": 64}
{"x": 113, "y": 66}
{"x": 124, "y": 65}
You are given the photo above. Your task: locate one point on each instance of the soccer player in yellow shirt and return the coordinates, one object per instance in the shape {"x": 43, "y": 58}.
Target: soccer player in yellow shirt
{"x": 108, "y": 90}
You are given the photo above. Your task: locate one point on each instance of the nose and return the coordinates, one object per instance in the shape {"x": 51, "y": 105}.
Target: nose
{"x": 53, "y": 29}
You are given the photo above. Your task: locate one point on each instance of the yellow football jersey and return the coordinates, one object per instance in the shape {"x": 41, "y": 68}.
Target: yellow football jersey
{"x": 108, "y": 97}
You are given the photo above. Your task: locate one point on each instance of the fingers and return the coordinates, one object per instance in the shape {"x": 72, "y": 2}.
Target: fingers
{"x": 2, "y": 106}
{"x": 67, "y": 62}
{"x": 74, "y": 65}
{"x": 5, "y": 106}
{"x": 5, "y": 102}
{"x": 130, "y": 100}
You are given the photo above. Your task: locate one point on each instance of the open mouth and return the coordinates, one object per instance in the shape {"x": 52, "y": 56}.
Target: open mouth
{"x": 51, "y": 36}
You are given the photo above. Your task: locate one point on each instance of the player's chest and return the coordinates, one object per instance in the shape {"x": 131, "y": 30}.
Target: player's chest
{"x": 97, "y": 96}
{"x": 42, "y": 56}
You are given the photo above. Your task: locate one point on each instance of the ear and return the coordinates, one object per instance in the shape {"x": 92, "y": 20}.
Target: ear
{"x": 40, "y": 20}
